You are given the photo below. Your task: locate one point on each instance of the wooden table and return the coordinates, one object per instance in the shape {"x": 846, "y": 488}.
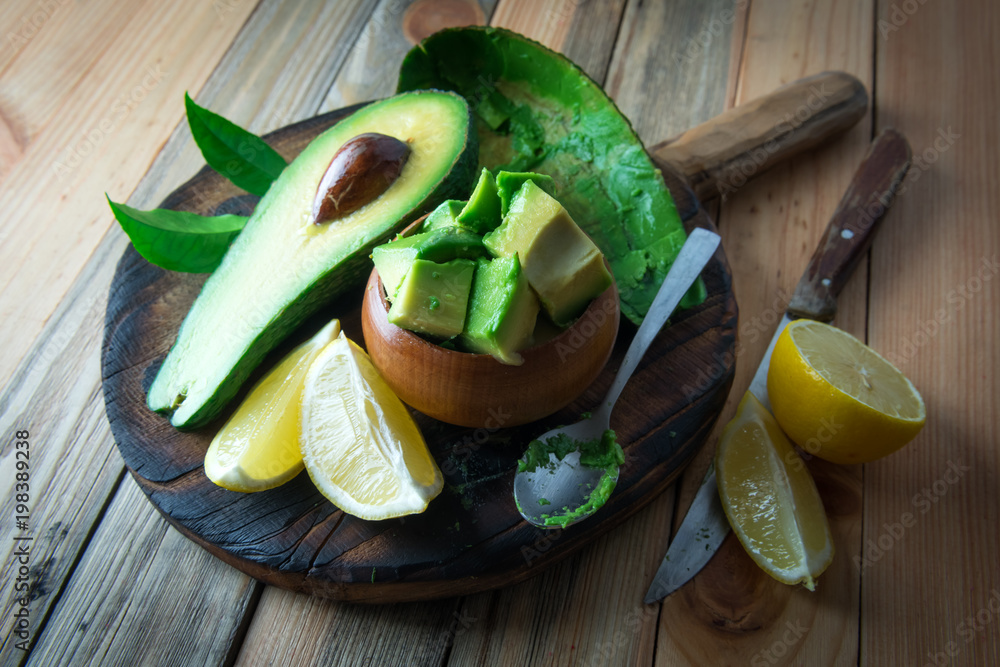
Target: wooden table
{"x": 91, "y": 100}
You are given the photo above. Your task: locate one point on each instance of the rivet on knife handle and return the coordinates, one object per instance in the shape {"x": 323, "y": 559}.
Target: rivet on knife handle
{"x": 852, "y": 227}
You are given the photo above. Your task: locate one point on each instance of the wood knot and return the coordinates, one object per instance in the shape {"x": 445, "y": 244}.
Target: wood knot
{"x": 733, "y": 595}
{"x": 425, "y": 17}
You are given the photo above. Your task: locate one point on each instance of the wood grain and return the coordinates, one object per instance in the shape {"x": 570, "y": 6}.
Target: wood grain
{"x": 426, "y": 17}
{"x": 55, "y": 393}
{"x": 88, "y": 120}
{"x": 732, "y": 613}
{"x": 74, "y": 468}
{"x": 584, "y": 31}
{"x": 372, "y": 67}
{"x": 661, "y": 75}
{"x": 586, "y": 610}
{"x": 933, "y": 507}
{"x": 158, "y": 560}
{"x": 314, "y": 631}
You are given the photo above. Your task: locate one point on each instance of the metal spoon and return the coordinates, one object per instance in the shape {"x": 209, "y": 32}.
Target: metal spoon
{"x": 564, "y": 491}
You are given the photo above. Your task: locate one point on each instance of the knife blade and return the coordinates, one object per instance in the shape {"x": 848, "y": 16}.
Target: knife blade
{"x": 848, "y": 236}
{"x": 694, "y": 543}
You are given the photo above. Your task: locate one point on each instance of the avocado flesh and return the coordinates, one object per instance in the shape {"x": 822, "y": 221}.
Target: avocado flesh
{"x": 282, "y": 267}
{"x": 433, "y": 297}
{"x": 502, "y": 311}
{"x": 393, "y": 260}
{"x": 536, "y": 110}
{"x": 563, "y": 266}
{"x": 482, "y": 213}
{"x": 509, "y": 182}
{"x": 445, "y": 215}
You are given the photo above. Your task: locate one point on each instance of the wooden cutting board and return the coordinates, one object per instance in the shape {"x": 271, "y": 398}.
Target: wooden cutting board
{"x": 471, "y": 537}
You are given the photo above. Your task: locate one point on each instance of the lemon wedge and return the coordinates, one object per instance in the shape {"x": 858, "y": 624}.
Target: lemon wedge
{"x": 360, "y": 444}
{"x": 258, "y": 448}
{"x": 837, "y": 398}
{"x": 770, "y": 497}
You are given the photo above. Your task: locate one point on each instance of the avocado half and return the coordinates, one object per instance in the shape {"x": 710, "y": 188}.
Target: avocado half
{"x": 537, "y": 111}
{"x": 282, "y": 268}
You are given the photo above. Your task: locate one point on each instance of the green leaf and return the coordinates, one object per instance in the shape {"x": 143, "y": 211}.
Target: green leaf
{"x": 237, "y": 154}
{"x": 178, "y": 240}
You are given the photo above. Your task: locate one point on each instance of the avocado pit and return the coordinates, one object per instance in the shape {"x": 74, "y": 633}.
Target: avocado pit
{"x": 363, "y": 168}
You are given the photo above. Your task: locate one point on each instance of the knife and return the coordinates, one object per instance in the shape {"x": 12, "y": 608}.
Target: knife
{"x": 847, "y": 238}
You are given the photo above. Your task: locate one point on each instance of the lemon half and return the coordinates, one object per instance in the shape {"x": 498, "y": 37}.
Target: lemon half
{"x": 837, "y": 398}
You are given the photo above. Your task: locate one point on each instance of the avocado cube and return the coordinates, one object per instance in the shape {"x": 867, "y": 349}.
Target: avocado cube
{"x": 510, "y": 182}
{"x": 482, "y": 213}
{"x": 562, "y": 264}
{"x": 502, "y": 311}
{"x": 393, "y": 259}
{"x": 433, "y": 297}
{"x": 445, "y": 215}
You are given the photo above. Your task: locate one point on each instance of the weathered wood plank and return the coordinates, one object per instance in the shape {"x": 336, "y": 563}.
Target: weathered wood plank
{"x": 931, "y": 555}
{"x": 372, "y": 67}
{"x": 732, "y": 612}
{"x": 55, "y": 395}
{"x": 669, "y": 61}
{"x": 583, "y": 30}
{"x": 589, "y": 609}
{"x": 156, "y": 602}
{"x": 56, "y": 390}
{"x": 321, "y": 632}
{"x": 288, "y": 86}
{"x": 90, "y": 100}
{"x": 21, "y": 22}
{"x": 73, "y": 466}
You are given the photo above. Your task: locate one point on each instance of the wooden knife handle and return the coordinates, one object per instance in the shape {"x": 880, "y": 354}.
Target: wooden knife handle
{"x": 852, "y": 227}
{"x": 721, "y": 155}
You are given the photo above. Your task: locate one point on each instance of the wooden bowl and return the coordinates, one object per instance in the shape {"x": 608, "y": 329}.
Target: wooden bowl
{"x": 478, "y": 391}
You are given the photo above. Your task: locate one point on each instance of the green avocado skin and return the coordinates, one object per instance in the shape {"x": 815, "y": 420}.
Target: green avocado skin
{"x": 537, "y": 111}
{"x": 165, "y": 394}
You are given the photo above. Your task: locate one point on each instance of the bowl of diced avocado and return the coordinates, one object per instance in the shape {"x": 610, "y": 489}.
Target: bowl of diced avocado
{"x": 491, "y": 312}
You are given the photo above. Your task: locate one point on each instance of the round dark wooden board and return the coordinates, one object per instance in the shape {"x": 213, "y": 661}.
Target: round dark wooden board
{"x": 471, "y": 538}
